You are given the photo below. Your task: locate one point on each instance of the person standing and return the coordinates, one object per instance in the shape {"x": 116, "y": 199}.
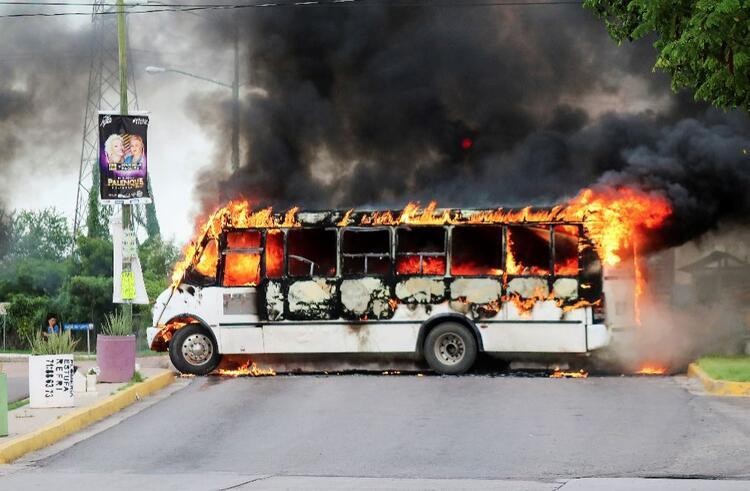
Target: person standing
{"x": 51, "y": 326}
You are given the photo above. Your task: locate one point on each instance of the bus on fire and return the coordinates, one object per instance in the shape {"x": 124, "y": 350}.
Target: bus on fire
{"x": 441, "y": 284}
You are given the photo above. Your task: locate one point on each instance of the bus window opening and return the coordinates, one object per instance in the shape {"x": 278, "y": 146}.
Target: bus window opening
{"x": 528, "y": 250}
{"x": 566, "y": 250}
{"x": 206, "y": 266}
{"x": 366, "y": 252}
{"x": 476, "y": 251}
{"x": 420, "y": 251}
{"x": 274, "y": 254}
{"x": 311, "y": 252}
{"x": 242, "y": 258}
{"x": 204, "y": 271}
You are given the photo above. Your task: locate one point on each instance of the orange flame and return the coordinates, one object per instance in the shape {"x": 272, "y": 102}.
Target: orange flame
{"x": 560, "y": 374}
{"x": 237, "y": 214}
{"x": 248, "y": 369}
{"x": 613, "y": 218}
{"x": 428, "y": 265}
{"x": 651, "y": 369}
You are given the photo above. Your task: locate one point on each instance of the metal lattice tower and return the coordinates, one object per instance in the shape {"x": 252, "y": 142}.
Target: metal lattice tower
{"x": 104, "y": 95}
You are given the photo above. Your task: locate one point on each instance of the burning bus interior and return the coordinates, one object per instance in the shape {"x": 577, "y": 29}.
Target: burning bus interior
{"x": 359, "y": 267}
{"x": 507, "y": 264}
{"x": 412, "y": 263}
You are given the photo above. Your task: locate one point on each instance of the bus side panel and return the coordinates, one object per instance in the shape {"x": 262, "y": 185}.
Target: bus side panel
{"x": 619, "y": 293}
{"x": 340, "y": 338}
{"x": 529, "y": 336}
{"x": 235, "y": 340}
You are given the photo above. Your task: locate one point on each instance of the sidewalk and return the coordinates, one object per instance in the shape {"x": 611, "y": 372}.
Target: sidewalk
{"x": 31, "y": 429}
{"x": 16, "y": 366}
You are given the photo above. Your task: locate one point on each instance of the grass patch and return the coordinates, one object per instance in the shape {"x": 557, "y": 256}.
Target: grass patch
{"x": 732, "y": 368}
{"x": 17, "y": 404}
{"x": 136, "y": 379}
{"x": 148, "y": 352}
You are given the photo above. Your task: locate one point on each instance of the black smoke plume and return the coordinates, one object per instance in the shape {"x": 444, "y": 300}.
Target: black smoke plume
{"x": 44, "y": 68}
{"x": 379, "y": 105}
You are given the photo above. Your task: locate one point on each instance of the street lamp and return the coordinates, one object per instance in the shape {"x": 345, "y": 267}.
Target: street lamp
{"x": 235, "y": 86}
{"x": 153, "y": 70}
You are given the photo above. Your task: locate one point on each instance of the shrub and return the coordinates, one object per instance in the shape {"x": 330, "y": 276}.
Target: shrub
{"x": 52, "y": 344}
{"x": 26, "y": 315}
{"x": 116, "y": 324}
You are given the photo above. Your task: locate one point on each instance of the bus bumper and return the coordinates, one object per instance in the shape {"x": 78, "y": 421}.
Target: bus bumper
{"x": 597, "y": 336}
{"x": 150, "y": 335}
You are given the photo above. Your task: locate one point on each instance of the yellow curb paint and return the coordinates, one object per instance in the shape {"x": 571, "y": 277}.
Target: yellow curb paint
{"x": 77, "y": 420}
{"x": 718, "y": 387}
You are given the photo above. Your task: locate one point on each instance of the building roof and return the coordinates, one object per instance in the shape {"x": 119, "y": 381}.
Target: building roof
{"x": 716, "y": 261}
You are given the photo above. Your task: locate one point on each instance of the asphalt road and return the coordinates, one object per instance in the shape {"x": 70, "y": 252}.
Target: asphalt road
{"x": 459, "y": 428}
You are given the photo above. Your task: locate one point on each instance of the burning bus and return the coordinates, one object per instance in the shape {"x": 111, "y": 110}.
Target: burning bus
{"x": 441, "y": 284}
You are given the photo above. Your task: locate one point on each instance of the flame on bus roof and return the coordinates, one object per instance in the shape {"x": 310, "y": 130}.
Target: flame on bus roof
{"x": 613, "y": 219}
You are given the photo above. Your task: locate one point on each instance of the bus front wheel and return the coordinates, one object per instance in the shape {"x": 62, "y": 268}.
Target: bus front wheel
{"x": 193, "y": 350}
{"x": 450, "y": 348}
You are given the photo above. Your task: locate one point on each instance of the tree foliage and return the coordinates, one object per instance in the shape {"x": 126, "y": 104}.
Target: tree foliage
{"x": 5, "y": 228}
{"x": 94, "y": 257}
{"x": 26, "y": 315}
{"x": 703, "y": 44}
{"x": 87, "y": 298}
{"x": 32, "y": 276}
{"x": 39, "y": 273}
{"x": 97, "y": 216}
{"x": 40, "y": 234}
{"x": 157, "y": 260}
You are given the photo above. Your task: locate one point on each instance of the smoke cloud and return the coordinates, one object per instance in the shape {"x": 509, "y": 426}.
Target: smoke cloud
{"x": 44, "y": 68}
{"x": 371, "y": 106}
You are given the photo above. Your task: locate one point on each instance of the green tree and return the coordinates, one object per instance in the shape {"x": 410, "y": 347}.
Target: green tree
{"x": 26, "y": 315}
{"x": 37, "y": 245}
{"x": 157, "y": 260}
{"x": 40, "y": 234}
{"x": 5, "y": 228}
{"x": 32, "y": 276}
{"x": 97, "y": 218}
{"x": 87, "y": 298}
{"x": 703, "y": 44}
{"x": 94, "y": 257}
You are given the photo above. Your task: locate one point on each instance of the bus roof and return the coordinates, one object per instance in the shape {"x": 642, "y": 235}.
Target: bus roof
{"x": 243, "y": 218}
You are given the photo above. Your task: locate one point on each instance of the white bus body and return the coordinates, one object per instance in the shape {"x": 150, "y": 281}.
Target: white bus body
{"x": 390, "y": 313}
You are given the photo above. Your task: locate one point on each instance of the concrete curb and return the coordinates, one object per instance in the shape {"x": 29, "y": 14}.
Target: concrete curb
{"x": 718, "y": 387}
{"x": 81, "y": 418}
{"x": 13, "y": 357}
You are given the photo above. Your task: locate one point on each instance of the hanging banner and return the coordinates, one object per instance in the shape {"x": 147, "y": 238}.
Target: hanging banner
{"x": 123, "y": 154}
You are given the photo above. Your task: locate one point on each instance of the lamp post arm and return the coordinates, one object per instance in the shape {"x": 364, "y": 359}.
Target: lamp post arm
{"x": 206, "y": 79}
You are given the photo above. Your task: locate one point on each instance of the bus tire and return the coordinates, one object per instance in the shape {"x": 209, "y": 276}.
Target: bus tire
{"x": 193, "y": 350}
{"x": 450, "y": 348}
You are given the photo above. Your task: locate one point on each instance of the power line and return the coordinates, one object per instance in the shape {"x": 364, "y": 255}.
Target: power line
{"x": 295, "y": 3}
{"x": 311, "y": 3}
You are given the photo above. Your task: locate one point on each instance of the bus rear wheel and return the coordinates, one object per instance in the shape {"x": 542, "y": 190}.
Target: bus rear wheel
{"x": 193, "y": 350}
{"x": 450, "y": 348}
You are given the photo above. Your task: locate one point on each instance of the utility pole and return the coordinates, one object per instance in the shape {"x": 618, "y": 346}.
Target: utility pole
{"x": 92, "y": 217}
{"x": 127, "y": 307}
{"x": 236, "y": 101}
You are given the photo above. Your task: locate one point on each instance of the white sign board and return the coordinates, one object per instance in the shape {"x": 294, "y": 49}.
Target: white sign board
{"x": 51, "y": 381}
{"x": 129, "y": 245}
{"x": 128, "y": 286}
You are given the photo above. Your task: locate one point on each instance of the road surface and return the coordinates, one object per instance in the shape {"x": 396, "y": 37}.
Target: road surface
{"x": 218, "y": 432}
